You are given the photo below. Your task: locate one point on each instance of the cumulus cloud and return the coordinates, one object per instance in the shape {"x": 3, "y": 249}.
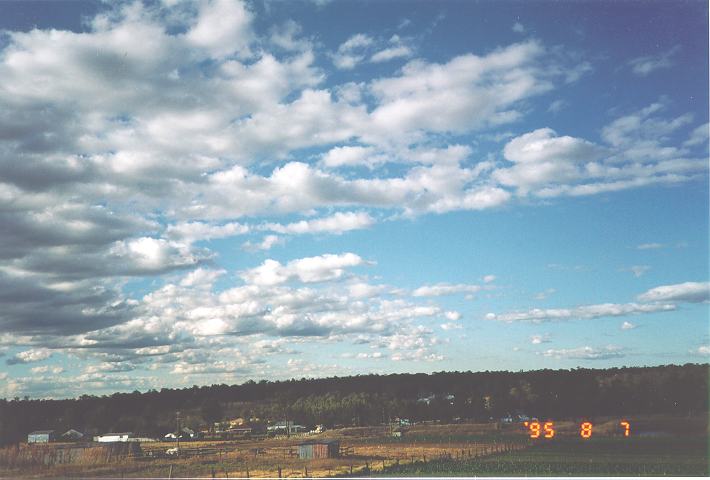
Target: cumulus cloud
{"x": 628, "y": 325}
{"x": 29, "y": 356}
{"x": 307, "y": 270}
{"x": 266, "y": 243}
{"x": 352, "y": 51}
{"x": 541, "y": 157}
{"x": 636, "y": 154}
{"x": 693, "y": 292}
{"x": 464, "y": 94}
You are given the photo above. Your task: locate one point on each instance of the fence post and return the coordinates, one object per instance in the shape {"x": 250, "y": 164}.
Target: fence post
{"x": 170, "y": 473}
{"x": 212, "y": 472}
{"x": 305, "y": 470}
{"x": 279, "y": 471}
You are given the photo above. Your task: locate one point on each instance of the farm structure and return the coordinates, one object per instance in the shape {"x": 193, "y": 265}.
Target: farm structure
{"x": 286, "y": 427}
{"x": 114, "y": 437}
{"x": 41, "y": 436}
{"x": 72, "y": 435}
{"x": 315, "y": 449}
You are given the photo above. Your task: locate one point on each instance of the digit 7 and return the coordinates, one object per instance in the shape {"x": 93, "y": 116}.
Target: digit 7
{"x": 627, "y": 427}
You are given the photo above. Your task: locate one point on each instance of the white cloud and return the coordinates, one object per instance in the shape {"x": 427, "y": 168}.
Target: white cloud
{"x": 694, "y": 292}
{"x": 544, "y": 294}
{"x": 538, "y": 315}
{"x": 489, "y": 278}
{"x": 350, "y": 156}
{"x": 451, "y": 326}
{"x": 444, "y": 289}
{"x": 467, "y": 93}
{"x": 190, "y": 232}
{"x": 638, "y": 270}
{"x": 557, "y": 106}
{"x": 699, "y": 136}
{"x": 45, "y": 369}
{"x": 351, "y": 52}
{"x": 638, "y": 154}
{"x": 541, "y": 158}
{"x": 452, "y": 315}
{"x": 538, "y": 339}
{"x": 222, "y": 27}
{"x": 703, "y": 350}
{"x": 30, "y": 356}
{"x": 337, "y": 223}
{"x": 518, "y": 27}
{"x": 307, "y": 270}
{"x": 400, "y": 51}
{"x": 266, "y": 243}
{"x": 586, "y": 353}
{"x": 645, "y": 65}
{"x": 628, "y": 326}
{"x": 650, "y": 246}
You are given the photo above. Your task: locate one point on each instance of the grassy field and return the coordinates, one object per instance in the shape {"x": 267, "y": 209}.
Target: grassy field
{"x": 666, "y": 456}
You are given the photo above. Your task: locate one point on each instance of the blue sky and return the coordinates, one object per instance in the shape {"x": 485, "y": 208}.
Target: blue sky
{"x": 211, "y": 192}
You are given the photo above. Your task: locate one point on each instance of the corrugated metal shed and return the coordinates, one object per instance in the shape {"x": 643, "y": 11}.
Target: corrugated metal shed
{"x": 41, "y": 436}
{"x": 315, "y": 449}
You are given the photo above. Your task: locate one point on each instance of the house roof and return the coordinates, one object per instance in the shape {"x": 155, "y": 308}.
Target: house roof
{"x": 41, "y": 432}
{"x": 115, "y": 433}
{"x": 319, "y": 442}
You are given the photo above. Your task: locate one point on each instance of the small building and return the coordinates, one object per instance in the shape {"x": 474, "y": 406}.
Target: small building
{"x": 72, "y": 435}
{"x": 114, "y": 437}
{"x": 41, "y": 436}
{"x": 283, "y": 428}
{"x": 322, "y": 449}
{"x": 185, "y": 434}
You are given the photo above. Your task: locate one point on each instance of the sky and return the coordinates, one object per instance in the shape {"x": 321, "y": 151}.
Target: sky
{"x": 211, "y": 192}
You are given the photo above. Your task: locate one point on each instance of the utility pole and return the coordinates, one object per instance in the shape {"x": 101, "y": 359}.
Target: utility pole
{"x": 177, "y": 423}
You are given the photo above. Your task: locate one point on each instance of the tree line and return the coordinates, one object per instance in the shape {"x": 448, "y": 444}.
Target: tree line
{"x": 374, "y": 399}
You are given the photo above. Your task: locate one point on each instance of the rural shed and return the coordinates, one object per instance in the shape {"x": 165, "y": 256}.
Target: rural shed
{"x": 41, "y": 436}
{"x": 316, "y": 449}
{"x": 72, "y": 435}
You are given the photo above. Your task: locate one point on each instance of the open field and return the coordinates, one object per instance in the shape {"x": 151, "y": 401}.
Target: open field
{"x": 659, "y": 445}
{"x": 667, "y": 456}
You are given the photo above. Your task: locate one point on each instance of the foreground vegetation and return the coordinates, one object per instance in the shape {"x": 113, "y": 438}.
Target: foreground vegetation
{"x": 664, "y": 456}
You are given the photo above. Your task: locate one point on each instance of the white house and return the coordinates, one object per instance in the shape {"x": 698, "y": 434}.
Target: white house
{"x": 114, "y": 437}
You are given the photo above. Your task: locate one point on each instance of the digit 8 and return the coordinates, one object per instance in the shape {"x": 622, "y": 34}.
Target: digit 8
{"x": 586, "y": 430}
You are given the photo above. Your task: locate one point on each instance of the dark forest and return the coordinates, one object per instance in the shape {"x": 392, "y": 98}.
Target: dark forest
{"x": 374, "y": 399}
